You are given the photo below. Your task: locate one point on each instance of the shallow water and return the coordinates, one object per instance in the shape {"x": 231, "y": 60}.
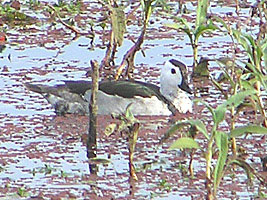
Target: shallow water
{"x": 46, "y": 154}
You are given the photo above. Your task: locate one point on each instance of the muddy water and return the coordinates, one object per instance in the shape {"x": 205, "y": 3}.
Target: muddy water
{"x": 46, "y": 155}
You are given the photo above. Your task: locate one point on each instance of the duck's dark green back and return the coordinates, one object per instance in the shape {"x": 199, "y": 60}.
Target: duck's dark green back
{"x": 126, "y": 89}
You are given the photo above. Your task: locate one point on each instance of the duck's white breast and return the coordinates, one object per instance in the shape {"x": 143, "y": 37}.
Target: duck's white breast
{"x": 183, "y": 103}
{"x": 108, "y": 104}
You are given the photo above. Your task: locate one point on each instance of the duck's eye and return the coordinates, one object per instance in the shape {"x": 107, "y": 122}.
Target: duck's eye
{"x": 173, "y": 71}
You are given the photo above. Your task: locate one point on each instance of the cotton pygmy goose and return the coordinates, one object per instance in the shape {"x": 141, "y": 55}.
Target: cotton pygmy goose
{"x": 73, "y": 97}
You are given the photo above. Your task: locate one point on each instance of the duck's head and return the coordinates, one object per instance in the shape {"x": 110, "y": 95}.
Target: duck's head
{"x": 173, "y": 78}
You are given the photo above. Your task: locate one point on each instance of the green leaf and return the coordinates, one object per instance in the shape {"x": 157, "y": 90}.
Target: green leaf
{"x": 207, "y": 106}
{"x": 203, "y": 28}
{"x": 244, "y": 42}
{"x": 264, "y": 51}
{"x": 22, "y": 192}
{"x": 174, "y": 26}
{"x": 256, "y": 50}
{"x": 118, "y": 24}
{"x": 218, "y": 85}
{"x": 221, "y": 140}
{"x": 222, "y": 144}
{"x": 184, "y": 142}
{"x": 178, "y": 125}
{"x": 233, "y": 101}
{"x": 200, "y": 127}
{"x": 258, "y": 74}
{"x": 220, "y": 20}
{"x": 202, "y": 9}
{"x": 97, "y": 160}
{"x": 179, "y": 20}
{"x": 183, "y": 25}
{"x": 247, "y": 85}
{"x": 180, "y": 27}
{"x": 248, "y": 129}
{"x": 182, "y": 21}
{"x": 129, "y": 115}
{"x": 250, "y": 40}
{"x": 189, "y": 34}
{"x": 228, "y": 76}
{"x": 147, "y": 7}
{"x": 242, "y": 163}
{"x": 236, "y": 99}
{"x": 219, "y": 114}
{"x": 172, "y": 130}
{"x": 259, "y": 54}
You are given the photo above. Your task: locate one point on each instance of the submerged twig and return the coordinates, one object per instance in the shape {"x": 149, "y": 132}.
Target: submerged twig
{"x": 106, "y": 60}
{"x": 129, "y": 56}
{"x": 62, "y": 22}
{"x": 67, "y": 25}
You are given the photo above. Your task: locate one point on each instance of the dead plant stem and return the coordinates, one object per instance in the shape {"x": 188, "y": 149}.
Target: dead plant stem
{"x": 63, "y": 23}
{"x": 92, "y": 132}
{"x": 129, "y": 56}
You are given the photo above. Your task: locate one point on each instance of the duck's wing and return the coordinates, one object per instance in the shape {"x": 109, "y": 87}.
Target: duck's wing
{"x": 122, "y": 88}
{"x": 128, "y": 89}
{"x": 78, "y": 87}
{"x": 125, "y": 89}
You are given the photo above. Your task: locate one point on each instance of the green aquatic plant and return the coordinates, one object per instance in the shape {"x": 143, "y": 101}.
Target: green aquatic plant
{"x": 164, "y": 185}
{"x": 63, "y": 174}
{"x": 22, "y": 192}
{"x": 216, "y": 140}
{"x": 201, "y": 26}
{"x": 14, "y": 16}
{"x": 73, "y": 7}
{"x": 128, "y": 126}
{"x": 67, "y": 22}
{"x": 33, "y": 3}
{"x": 2, "y": 169}
{"x": 47, "y": 169}
{"x": 244, "y": 75}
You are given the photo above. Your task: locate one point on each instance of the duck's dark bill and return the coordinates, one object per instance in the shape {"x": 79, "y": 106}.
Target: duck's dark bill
{"x": 185, "y": 87}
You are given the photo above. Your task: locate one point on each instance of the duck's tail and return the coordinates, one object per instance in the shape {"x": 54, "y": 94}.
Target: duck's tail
{"x": 62, "y": 100}
{"x": 41, "y": 89}
{"x": 35, "y": 87}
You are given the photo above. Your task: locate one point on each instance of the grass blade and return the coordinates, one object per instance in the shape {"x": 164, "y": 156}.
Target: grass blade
{"x": 222, "y": 144}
